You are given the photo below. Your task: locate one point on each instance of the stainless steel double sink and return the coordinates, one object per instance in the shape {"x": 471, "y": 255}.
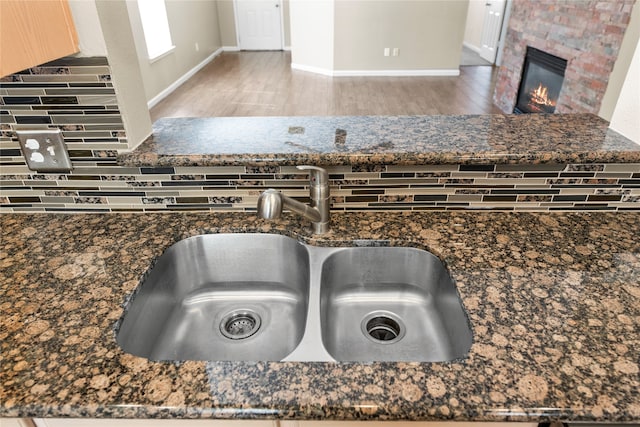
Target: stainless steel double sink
{"x": 267, "y": 297}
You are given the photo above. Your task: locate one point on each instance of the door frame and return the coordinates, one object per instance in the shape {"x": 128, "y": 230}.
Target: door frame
{"x": 236, "y": 21}
{"x": 503, "y": 33}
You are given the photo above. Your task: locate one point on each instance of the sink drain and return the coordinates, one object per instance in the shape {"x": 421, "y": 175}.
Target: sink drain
{"x": 240, "y": 324}
{"x": 383, "y": 327}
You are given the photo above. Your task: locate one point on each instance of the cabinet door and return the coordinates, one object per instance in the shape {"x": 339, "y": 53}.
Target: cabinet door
{"x": 34, "y": 32}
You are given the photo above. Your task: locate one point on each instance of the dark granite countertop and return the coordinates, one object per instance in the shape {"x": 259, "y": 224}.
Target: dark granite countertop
{"x": 399, "y": 140}
{"x": 553, "y": 300}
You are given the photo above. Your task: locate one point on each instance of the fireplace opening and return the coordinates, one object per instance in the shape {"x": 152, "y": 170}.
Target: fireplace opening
{"x": 541, "y": 81}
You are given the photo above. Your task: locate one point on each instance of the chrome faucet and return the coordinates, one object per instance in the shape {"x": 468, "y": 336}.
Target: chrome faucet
{"x": 271, "y": 202}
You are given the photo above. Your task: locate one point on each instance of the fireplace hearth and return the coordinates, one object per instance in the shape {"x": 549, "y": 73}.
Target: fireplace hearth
{"x": 541, "y": 81}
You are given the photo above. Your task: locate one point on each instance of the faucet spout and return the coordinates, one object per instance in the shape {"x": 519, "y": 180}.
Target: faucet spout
{"x": 272, "y": 202}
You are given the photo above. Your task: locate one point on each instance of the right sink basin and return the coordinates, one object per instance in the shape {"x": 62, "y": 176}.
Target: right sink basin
{"x": 390, "y": 304}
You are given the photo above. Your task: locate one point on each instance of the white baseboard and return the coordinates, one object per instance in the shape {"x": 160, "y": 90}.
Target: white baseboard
{"x": 310, "y": 69}
{"x": 173, "y": 86}
{"x": 237, "y": 48}
{"x": 376, "y": 73}
{"x": 474, "y": 48}
{"x": 395, "y": 73}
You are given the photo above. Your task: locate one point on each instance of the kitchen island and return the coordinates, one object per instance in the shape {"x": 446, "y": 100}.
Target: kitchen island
{"x": 553, "y": 300}
{"x": 543, "y": 162}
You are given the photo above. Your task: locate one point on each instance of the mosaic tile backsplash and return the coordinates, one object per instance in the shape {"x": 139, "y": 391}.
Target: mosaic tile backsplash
{"x": 77, "y": 96}
{"x": 103, "y": 187}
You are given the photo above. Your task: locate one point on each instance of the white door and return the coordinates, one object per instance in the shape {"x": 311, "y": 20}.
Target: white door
{"x": 493, "y": 17}
{"x": 259, "y": 24}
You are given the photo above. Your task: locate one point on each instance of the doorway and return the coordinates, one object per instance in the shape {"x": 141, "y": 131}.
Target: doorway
{"x": 259, "y": 24}
{"x": 492, "y": 25}
{"x": 484, "y": 30}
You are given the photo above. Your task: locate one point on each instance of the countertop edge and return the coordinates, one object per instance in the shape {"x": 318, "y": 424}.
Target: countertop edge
{"x": 404, "y": 159}
{"x": 391, "y": 140}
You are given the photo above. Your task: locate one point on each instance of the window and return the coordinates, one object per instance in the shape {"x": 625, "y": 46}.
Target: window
{"x": 156, "y": 27}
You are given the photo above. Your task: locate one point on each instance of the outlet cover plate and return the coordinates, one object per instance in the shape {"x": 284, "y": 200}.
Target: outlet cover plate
{"x": 44, "y": 150}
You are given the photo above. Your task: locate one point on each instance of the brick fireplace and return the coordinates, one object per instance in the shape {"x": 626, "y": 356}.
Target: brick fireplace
{"x": 587, "y": 33}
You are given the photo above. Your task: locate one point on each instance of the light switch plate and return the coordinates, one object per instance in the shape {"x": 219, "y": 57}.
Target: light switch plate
{"x": 44, "y": 150}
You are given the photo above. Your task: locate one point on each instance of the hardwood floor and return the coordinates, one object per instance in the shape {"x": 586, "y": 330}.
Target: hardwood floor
{"x": 263, "y": 84}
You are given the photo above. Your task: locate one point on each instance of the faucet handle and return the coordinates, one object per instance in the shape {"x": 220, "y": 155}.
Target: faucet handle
{"x": 317, "y": 175}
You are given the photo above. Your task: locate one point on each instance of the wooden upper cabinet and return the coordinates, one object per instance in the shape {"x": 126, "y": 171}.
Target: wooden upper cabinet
{"x": 33, "y": 32}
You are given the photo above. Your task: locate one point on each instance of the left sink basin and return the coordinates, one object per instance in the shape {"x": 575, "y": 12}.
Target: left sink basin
{"x": 221, "y": 297}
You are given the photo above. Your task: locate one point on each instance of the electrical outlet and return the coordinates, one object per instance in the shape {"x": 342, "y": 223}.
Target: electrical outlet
{"x": 386, "y": 51}
{"x": 44, "y": 150}
{"x": 197, "y": 46}
{"x": 396, "y": 51}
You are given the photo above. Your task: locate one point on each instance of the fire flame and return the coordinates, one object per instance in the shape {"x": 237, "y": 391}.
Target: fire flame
{"x": 540, "y": 96}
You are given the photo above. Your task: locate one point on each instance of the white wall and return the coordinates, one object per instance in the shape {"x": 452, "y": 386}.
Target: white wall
{"x": 191, "y": 22}
{"x": 474, "y": 24}
{"x": 623, "y": 62}
{"x": 312, "y": 34}
{"x": 626, "y": 118}
{"x": 428, "y": 34}
{"x": 227, "y": 24}
{"x": 348, "y": 37}
{"x": 125, "y": 71}
{"x": 87, "y": 22}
